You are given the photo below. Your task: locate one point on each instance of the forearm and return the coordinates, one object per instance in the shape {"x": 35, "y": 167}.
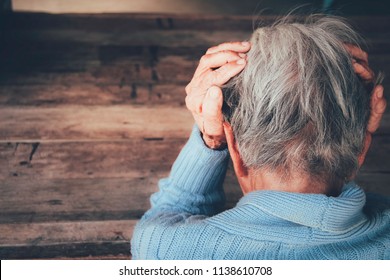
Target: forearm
{"x": 194, "y": 185}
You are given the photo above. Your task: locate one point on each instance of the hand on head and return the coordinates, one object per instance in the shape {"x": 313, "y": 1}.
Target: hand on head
{"x": 377, "y": 101}
{"x": 204, "y": 95}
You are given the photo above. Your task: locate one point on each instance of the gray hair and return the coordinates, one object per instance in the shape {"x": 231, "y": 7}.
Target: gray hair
{"x": 298, "y": 105}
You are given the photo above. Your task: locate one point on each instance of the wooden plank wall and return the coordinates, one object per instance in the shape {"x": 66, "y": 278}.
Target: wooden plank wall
{"x": 92, "y": 114}
{"x": 5, "y": 6}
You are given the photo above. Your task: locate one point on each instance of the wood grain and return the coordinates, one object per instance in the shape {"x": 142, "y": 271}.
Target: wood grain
{"x": 66, "y": 232}
{"x": 93, "y": 94}
{"x": 106, "y": 22}
{"x": 86, "y": 199}
{"x": 85, "y": 123}
{"x": 66, "y": 239}
{"x": 133, "y": 157}
{"x": 97, "y": 199}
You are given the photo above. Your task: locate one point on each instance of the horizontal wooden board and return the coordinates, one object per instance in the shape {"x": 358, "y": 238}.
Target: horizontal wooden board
{"x": 122, "y": 72}
{"x": 377, "y": 159}
{"x": 69, "y": 251}
{"x": 66, "y": 239}
{"x": 85, "y": 123}
{"x": 105, "y": 159}
{"x": 51, "y": 239}
{"x": 34, "y": 234}
{"x": 109, "y": 188}
{"x": 101, "y": 159}
{"x": 99, "y": 199}
{"x": 138, "y": 44}
{"x": 47, "y": 108}
{"x": 128, "y": 22}
{"x": 36, "y": 200}
{"x": 125, "y": 74}
{"x": 123, "y": 93}
{"x": 375, "y": 182}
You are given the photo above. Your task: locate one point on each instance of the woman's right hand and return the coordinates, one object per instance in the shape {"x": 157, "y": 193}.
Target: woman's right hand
{"x": 204, "y": 95}
{"x": 378, "y": 102}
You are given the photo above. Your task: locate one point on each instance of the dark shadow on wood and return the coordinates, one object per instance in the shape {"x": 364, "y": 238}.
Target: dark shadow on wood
{"x": 5, "y": 6}
{"x": 82, "y": 250}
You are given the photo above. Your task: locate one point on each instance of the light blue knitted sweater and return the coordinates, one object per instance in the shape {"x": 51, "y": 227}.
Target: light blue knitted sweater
{"x": 186, "y": 222}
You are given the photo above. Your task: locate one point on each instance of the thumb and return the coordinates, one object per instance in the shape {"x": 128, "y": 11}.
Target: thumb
{"x": 377, "y": 109}
{"x": 212, "y": 104}
{"x": 212, "y": 112}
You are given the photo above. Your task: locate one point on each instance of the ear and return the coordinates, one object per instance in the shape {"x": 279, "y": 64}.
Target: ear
{"x": 367, "y": 143}
{"x": 239, "y": 167}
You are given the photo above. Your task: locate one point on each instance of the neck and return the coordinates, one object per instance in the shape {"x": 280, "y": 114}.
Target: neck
{"x": 293, "y": 182}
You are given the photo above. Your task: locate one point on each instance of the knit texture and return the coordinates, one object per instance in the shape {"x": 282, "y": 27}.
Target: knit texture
{"x": 186, "y": 220}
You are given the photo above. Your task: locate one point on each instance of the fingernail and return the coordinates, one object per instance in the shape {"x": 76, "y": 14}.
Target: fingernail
{"x": 241, "y": 61}
{"x": 214, "y": 93}
{"x": 243, "y": 55}
{"x": 245, "y": 43}
{"x": 379, "y": 94}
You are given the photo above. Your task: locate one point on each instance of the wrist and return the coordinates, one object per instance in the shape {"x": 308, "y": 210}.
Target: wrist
{"x": 214, "y": 143}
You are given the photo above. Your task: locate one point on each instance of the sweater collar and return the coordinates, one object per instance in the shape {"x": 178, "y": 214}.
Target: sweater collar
{"x": 331, "y": 214}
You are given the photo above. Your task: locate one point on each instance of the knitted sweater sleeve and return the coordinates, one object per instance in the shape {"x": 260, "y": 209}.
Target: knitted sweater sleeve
{"x": 192, "y": 191}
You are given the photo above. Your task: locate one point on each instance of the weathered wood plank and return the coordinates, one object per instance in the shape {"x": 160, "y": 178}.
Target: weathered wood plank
{"x": 100, "y": 199}
{"x": 137, "y": 42}
{"x": 78, "y": 49}
{"x": 5, "y": 6}
{"x": 92, "y": 123}
{"x": 89, "y": 94}
{"x": 377, "y": 159}
{"x": 374, "y": 182}
{"x": 36, "y": 200}
{"x": 75, "y": 183}
{"x": 170, "y": 70}
{"x": 136, "y": 93}
{"x": 83, "y": 251}
{"x": 66, "y": 239}
{"x": 73, "y": 251}
{"x": 34, "y": 234}
{"x": 130, "y": 22}
{"x": 130, "y": 158}
{"x": 101, "y": 239}
{"x": 102, "y": 159}
{"x": 135, "y": 61}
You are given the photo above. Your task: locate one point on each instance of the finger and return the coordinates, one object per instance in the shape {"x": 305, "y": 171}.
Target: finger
{"x": 364, "y": 73}
{"x": 241, "y": 47}
{"x": 194, "y": 104}
{"x": 357, "y": 53}
{"x": 377, "y": 108}
{"x": 223, "y": 74}
{"x": 216, "y": 60}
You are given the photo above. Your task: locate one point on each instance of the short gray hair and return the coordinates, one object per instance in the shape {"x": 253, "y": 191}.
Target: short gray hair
{"x": 298, "y": 105}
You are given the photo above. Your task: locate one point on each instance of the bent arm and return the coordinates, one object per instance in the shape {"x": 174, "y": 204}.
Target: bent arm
{"x": 192, "y": 192}
{"x": 194, "y": 185}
